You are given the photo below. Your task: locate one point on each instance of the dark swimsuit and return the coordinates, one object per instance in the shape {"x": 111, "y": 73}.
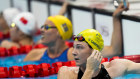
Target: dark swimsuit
{"x": 103, "y": 74}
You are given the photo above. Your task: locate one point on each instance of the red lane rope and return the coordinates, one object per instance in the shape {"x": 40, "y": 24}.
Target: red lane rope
{"x": 45, "y": 69}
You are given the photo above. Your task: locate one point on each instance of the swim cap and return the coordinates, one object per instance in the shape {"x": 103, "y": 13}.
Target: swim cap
{"x": 63, "y": 25}
{"x": 9, "y": 14}
{"x": 93, "y": 38}
{"x": 25, "y": 21}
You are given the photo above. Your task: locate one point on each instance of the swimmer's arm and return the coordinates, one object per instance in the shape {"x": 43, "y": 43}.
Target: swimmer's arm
{"x": 115, "y": 48}
{"x": 7, "y": 44}
{"x": 69, "y": 55}
{"x": 122, "y": 67}
{"x": 108, "y": 52}
{"x": 116, "y": 42}
{"x": 63, "y": 9}
{"x": 34, "y": 54}
{"x": 133, "y": 68}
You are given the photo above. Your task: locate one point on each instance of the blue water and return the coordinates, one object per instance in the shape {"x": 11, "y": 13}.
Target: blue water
{"x": 129, "y": 76}
{"x": 17, "y": 60}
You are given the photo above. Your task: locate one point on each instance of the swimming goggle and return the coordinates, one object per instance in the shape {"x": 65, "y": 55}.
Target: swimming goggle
{"x": 48, "y": 27}
{"x": 80, "y": 38}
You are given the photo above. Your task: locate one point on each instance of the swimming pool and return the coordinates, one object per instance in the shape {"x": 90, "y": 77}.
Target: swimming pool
{"x": 17, "y": 60}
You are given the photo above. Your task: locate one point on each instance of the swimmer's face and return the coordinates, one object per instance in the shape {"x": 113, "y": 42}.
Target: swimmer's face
{"x": 81, "y": 52}
{"x": 49, "y": 35}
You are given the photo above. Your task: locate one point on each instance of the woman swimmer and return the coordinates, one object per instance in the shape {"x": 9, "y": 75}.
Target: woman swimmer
{"x": 22, "y": 29}
{"x": 54, "y": 32}
{"x": 6, "y": 18}
{"x": 87, "y": 54}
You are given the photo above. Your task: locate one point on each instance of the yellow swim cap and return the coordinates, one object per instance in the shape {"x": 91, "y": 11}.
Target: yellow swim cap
{"x": 93, "y": 38}
{"x": 63, "y": 25}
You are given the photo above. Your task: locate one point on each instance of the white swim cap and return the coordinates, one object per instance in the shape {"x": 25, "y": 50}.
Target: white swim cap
{"x": 25, "y": 21}
{"x": 9, "y": 14}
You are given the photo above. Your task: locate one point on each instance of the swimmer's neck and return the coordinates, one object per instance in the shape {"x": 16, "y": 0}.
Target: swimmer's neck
{"x": 57, "y": 49}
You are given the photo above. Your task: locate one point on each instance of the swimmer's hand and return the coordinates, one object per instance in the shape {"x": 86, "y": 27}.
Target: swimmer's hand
{"x": 94, "y": 60}
{"x": 120, "y": 9}
{"x": 92, "y": 66}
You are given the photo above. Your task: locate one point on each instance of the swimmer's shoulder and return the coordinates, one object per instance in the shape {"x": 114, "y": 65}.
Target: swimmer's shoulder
{"x": 68, "y": 72}
{"x": 35, "y": 54}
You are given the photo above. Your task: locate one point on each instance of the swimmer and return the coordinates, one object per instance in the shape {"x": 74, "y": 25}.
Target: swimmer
{"x": 6, "y": 18}
{"x": 109, "y": 51}
{"x": 55, "y": 31}
{"x": 88, "y": 45}
{"x": 22, "y": 29}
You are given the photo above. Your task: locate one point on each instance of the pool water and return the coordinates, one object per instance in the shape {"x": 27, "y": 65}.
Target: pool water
{"x": 129, "y": 76}
{"x": 17, "y": 60}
